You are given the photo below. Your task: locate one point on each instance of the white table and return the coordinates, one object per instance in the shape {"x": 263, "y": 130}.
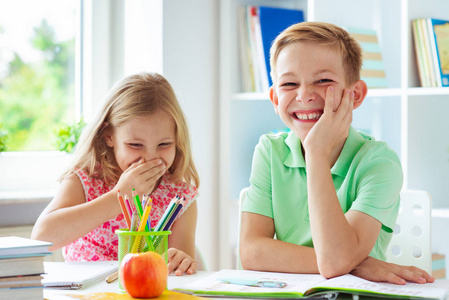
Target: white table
{"x": 173, "y": 282}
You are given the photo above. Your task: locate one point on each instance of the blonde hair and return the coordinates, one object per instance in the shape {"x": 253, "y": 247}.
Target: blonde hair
{"x": 324, "y": 34}
{"x": 137, "y": 95}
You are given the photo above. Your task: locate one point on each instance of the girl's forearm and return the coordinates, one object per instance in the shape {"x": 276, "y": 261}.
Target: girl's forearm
{"x": 65, "y": 225}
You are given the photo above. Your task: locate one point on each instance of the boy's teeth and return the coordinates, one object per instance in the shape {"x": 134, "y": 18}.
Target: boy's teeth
{"x": 310, "y": 116}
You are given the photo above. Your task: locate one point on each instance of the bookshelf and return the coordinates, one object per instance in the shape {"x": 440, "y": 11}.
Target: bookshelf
{"x": 413, "y": 120}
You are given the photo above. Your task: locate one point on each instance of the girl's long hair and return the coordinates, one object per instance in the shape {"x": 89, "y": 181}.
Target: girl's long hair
{"x": 137, "y": 95}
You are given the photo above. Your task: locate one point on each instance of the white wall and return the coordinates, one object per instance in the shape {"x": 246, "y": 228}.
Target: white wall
{"x": 190, "y": 63}
{"x": 189, "y": 51}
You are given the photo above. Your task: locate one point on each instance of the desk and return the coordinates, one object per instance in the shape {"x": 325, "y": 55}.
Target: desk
{"x": 173, "y": 282}
{"x": 102, "y": 286}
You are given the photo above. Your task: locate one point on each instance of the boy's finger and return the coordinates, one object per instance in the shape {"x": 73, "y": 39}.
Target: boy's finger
{"x": 345, "y": 101}
{"x": 329, "y": 101}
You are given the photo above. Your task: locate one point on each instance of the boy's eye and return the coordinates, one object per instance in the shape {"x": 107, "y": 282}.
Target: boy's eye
{"x": 289, "y": 84}
{"x": 325, "y": 80}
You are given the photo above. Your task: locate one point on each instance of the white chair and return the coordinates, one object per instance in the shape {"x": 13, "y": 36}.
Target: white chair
{"x": 201, "y": 263}
{"x": 410, "y": 244}
{"x": 241, "y": 200}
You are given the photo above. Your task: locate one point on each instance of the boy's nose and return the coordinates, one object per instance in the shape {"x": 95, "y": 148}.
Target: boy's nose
{"x": 305, "y": 95}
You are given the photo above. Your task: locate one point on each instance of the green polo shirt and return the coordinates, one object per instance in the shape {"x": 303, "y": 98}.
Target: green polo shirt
{"x": 367, "y": 177}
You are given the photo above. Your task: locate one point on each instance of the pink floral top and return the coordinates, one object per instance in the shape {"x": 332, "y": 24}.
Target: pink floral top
{"x": 102, "y": 242}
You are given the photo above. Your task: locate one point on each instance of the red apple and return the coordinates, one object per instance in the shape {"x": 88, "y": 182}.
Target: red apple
{"x": 143, "y": 275}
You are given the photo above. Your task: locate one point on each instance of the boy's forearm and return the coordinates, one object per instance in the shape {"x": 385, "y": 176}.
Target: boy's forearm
{"x": 268, "y": 254}
{"x": 335, "y": 242}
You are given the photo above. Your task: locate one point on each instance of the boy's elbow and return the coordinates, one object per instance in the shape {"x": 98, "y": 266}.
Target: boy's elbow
{"x": 334, "y": 267}
{"x": 249, "y": 258}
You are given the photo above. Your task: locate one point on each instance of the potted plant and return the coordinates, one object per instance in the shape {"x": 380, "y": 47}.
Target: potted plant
{"x": 3, "y": 139}
{"x": 67, "y": 136}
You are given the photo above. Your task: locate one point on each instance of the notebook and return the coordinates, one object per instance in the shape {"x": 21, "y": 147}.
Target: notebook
{"x": 76, "y": 275}
{"x": 14, "y": 246}
{"x": 307, "y": 285}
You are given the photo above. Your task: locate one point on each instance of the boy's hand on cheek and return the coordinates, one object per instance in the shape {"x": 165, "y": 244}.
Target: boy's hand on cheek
{"x": 142, "y": 176}
{"x": 333, "y": 127}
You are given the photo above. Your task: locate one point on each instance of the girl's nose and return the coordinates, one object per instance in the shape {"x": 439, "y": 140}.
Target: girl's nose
{"x": 150, "y": 155}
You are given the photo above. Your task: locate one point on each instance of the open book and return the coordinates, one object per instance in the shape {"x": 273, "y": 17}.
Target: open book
{"x": 302, "y": 285}
{"x": 75, "y": 275}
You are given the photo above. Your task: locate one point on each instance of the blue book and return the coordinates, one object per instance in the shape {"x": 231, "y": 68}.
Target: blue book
{"x": 273, "y": 20}
{"x": 440, "y": 39}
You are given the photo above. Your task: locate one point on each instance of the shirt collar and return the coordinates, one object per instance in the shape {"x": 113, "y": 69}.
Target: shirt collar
{"x": 354, "y": 141}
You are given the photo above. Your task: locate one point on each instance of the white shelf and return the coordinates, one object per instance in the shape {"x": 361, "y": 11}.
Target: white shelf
{"x": 428, "y": 91}
{"x": 412, "y": 120}
{"x": 442, "y": 213}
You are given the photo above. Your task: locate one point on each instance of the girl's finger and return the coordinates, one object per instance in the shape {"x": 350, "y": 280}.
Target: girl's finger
{"x": 183, "y": 266}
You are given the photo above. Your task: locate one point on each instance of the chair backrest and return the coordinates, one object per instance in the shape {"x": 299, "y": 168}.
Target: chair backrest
{"x": 241, "y": 200}
{"x": 410, "y": 244}
{"x": 201, "y": 263}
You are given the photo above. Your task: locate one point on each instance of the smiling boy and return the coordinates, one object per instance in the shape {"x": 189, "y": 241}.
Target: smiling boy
{"x": 328, "y": 193}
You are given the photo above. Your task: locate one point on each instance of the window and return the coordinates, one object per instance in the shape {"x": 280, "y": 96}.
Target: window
{"x": 39, "y": 61}
{"x": 37, "y": 71}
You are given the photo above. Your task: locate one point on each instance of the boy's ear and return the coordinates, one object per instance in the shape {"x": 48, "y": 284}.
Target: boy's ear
{"x": 274, "y": 99}
{"x": 360, "y": 91}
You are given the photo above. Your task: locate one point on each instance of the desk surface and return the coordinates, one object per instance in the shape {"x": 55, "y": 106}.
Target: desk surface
{"x": 102, "y": 286}
{"x": 173, "y": 282}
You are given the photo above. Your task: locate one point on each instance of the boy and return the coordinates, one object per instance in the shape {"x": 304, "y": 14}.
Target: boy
{"x": 329, "y": 193}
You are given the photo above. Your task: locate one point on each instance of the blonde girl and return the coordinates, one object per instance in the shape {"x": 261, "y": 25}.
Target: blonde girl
{"x": 139, "y": 140}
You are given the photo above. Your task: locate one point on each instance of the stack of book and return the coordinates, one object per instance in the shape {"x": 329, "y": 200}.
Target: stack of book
{"x": 21, "y": 267}
{"x": 431, "y": 39}
{"x": 258, "y": 27}
{"x": 373, "y": 67}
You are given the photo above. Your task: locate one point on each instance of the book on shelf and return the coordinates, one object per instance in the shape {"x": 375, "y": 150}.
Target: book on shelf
{"x": 273, "y": 20}
{"x": 304, "y": 285}
{"x": 373, "y": 67}
{"x": 431, "y": 43}
{"x": 258, "y": 27}
{"x": 14, "y": 246}
{"x": 76, "y": 275}
{"x": 419, "y": 52}
{"x": 439, "y": 35}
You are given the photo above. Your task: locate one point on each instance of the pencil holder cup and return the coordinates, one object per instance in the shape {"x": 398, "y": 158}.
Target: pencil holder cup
{"x": 141, "y": 241}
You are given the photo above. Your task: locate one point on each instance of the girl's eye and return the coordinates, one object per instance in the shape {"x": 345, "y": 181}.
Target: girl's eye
{"x": 135, "y": 145}
{"x": 165, "y": 144}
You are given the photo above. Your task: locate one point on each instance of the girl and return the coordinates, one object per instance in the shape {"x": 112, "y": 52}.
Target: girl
{"x": 140, "y": 140}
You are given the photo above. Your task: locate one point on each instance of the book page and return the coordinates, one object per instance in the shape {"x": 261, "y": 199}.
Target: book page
{"x": 297, "y": 284}
{"x": 353, "y": 283}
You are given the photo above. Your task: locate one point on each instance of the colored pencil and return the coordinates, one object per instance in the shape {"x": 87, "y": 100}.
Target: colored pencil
{"x": 143, "y": 223}
{"x": 124, "y": 210}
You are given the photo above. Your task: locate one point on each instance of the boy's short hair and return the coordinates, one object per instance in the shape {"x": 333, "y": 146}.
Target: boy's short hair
{"x": 324, "y": 34}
